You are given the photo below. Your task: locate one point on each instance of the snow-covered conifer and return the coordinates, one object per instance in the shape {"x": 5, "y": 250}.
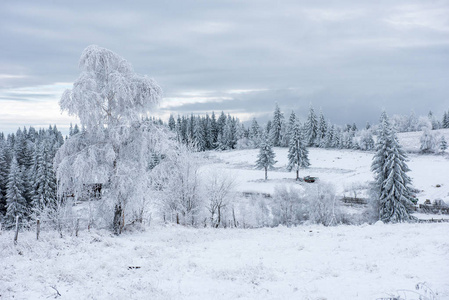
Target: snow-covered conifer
{"x": 298, "y": 156}
{"x": 3, "y": 179}
{"x": 311, "y": 127}
{"x": 276, "y": 127}
{"x": 16, "y": 204}
{"x": 321, "y": 131}
{"x": 392, "y": 182}
{"x": 171, "y": 122}
{"x": 265, "y": 158}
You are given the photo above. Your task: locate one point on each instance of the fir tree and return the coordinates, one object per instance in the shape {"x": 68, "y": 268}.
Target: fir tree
{"x": 311, "y": 127}
{"x": 322, "y": 129}
{"x": 298, "y": 156}
{"x": 3, "y": 180}
{"x": 290, "y": 127}
{"x": 276, "y": 127}
{"x": 171, "y": 123}
{"x": 445, "y": 120}
{"x": 16, "y": 204}
{"x": 265, "y": 159}
{"x": 198, "y": 135}
{"x": 392, "y": 182}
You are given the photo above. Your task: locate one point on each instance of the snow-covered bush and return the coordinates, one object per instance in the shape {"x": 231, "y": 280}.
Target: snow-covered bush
{"x": 288, "y": 207}
{"x": 322, "y": 204}
{"x": 218, "y": 197}
{"x": 428, "y": 142}
{"x": 178, "y": 182}
{"x": 366, "y": 142}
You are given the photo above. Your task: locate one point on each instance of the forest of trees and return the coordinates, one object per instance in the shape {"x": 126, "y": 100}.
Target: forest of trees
{"x": 27, "y": 177}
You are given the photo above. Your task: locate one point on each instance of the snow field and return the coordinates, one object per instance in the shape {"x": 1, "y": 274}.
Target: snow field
{"x": 345, "y": 169}
{"x": 307, "y": 262}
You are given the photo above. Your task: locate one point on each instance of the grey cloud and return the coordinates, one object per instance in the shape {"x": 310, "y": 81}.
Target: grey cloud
{"x": 354, "y": 58}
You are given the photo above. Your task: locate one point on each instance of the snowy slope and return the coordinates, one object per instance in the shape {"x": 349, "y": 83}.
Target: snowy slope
{"x": 307, "y": 262}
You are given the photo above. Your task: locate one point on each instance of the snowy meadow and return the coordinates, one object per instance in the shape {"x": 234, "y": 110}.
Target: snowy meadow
{"x": 167, "y": 261}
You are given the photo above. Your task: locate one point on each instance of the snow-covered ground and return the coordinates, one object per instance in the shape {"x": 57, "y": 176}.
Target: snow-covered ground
{"x": 307, "y": 262}
{"x": 411, "y": 140}
{"x": 347, "y": 170}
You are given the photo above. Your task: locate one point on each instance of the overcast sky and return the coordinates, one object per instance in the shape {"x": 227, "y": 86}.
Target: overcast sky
{"x": 350, "y": 58}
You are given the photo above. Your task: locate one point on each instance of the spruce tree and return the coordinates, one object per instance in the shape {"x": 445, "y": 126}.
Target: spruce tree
{"x": 276, "y": 127}
{"x": 322, "y": 129}
{"x": 290, "y": 127}
{"x": 392, "y": 182}
{"x": 3, "y": 180}
{"x": 16, "y": 204}
{"x": 171, "y": 123}
{"x": 298, "y": 156}
{"x": 311, "y": 127}
{"x": 265, "y": 159}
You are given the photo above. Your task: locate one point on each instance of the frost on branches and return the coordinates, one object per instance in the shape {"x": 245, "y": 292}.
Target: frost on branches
{"x": 265, "y": 159}
{"x": 298, "y": 156}
{"x": 392, "y": 182}
{"x": 117, "y": 144}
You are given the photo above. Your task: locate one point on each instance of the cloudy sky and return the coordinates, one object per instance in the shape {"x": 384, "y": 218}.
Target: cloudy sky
{"x": 351, "y": 59}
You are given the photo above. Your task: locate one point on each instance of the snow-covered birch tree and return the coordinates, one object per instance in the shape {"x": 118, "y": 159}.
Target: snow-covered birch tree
{"x": 110, "y": 100}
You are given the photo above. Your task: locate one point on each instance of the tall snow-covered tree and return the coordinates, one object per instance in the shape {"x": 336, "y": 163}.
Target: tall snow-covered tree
{"x": 445, "y": 122}
{"x": 3, "y": 180}
{"x": 110, "y": 99}
{"x": 391, "y": 179}
{"x": 321, "y": 132}
{"x": 171, "y": 122}
{"x": 198, "y": 134}
{"x": 265, "y": 159}
{"x": 311, "y": 127}
{"x": 290, "y": 127}
{"x": 276, "y": 127}
{"x": 44, "y": 183}
{"x": 298, "y": 156}
{"x": 16, "y": 204}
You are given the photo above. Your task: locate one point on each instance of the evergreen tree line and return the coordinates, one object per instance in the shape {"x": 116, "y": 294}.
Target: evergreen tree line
{"x": 208, "y": 132}
{"x": 226, "y": 132}
{"x": 27, "y": 178}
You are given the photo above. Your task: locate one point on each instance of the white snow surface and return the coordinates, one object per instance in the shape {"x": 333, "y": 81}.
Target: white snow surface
{"x": 345, "y": 169}
{"x": 307, "y": 262}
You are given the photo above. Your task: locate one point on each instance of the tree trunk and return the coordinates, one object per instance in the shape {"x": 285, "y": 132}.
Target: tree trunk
{"x": 266, "y": 170}
{"x": 218, "y": 218}
{"x": 117, "y": 219}
{"x": 297, "y": 175}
